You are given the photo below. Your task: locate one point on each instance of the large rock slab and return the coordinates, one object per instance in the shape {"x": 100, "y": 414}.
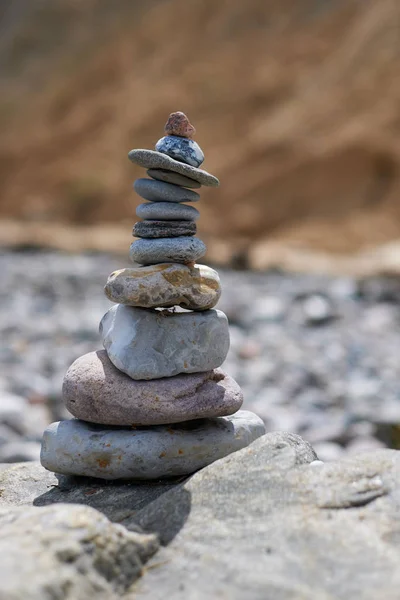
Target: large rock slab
{"x": 165, "y": 285}
{"x": 95, "y": 391}
{"x": 68, "y": 552}
{"x": 79, "y": 448}
{"x": 150, "y": 344}
{"x": 149, "y": 159}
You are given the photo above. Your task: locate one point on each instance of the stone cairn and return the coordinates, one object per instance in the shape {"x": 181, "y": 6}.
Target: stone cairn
{"x": 154, "y": 403}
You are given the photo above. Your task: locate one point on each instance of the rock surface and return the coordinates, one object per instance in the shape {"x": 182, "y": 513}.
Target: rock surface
{"x": 68, "y": 552}
{"x": 167, "y": 211}
{"x": 267, "y": 522}
{"x": 164, "y": 229}
{"x": 160, "y": 191}
{"x": 182, "y": 149}
{"x": 179, "y": 250}
{"x": 150, "y": 344}
{"x": 165, "y": 285}
{"x": 79, "y": 448}
{"x": 149, "y": 159}
{"x": 173, "y": 178}
{"x": 95, "y": 391}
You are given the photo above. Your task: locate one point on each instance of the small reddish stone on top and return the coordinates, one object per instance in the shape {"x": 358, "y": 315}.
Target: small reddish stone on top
{"x": 179, "y": 124}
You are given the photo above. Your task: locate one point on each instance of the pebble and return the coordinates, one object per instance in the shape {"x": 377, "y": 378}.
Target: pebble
{"x": 95, "y": 391}
{"x": 79, "y": 448}
{"x": 149, "y": 159}
{"x": 150, "y": 344}
{"x": 179, "y": 124}
{"x": 164, "y": 229}
{"x": 173, "y": 178}
{"x": 165, "y": 285}
{"x": 160, "y": 191}
{"x": 179, "y": 250}
{"x": 167, "y": 211}
{"x": 180, "y": 148}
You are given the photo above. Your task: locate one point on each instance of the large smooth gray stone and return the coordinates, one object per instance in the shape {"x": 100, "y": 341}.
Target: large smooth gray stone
{"x": 79, "y": 448}
{"x": 173, "y": 178}
{"x": 181, "y": 250}
{"x": 167, "y": 211}
{"x": 164, "y": 286}
{"x": 180, "y": 148}
{"x": 95, "y": 391}
{"x": 150, "y": 344}
{"x": 160, "y": 191}
{"x": 68, "y": 551}
{"x": 163, "y": 229}
{"x": 149, "y": 159}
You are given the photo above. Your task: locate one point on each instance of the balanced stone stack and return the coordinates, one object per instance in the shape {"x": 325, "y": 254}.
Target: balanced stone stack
{"x": 154, "y": 403}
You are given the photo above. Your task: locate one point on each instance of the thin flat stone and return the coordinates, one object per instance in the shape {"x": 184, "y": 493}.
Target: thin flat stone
{"x": 79, "y": 448}
{"x": 95, "y": 391}
{"x": 163, "y": 229}
{"x": 173, "y": 178}
{"x": 149, "y": 159}
{"x": 160, "y": 191}
{"x": 167, "y": 211}
{"x": 164, "y": 286}
{"x": 180, "y": 148}
{"x": 150, "y": 344}
{"x": 179, "y": 250}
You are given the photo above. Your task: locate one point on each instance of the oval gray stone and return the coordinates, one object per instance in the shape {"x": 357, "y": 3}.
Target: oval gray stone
{"x": 95, "y": 391}
{"x": 163, "y": 229}
{"x": 149, "y": 159}
{"x": 179, "y": 250}
{"x": 167, "y": 211}
{"x": 160, "y": 191}
{"x": 173, "y": 178}
{"x": 79, "y": 448}
{"x": 165, "y": 285}
{"x": 149, "y": 344}
{"x": 180, "y": 148}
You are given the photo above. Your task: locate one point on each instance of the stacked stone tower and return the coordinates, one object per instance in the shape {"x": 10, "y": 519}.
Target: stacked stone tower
{"x": 155, "y": 403}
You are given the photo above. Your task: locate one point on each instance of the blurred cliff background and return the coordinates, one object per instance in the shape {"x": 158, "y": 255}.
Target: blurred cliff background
{"x": 296, "y": 105}
{"x": 297, "y": 108}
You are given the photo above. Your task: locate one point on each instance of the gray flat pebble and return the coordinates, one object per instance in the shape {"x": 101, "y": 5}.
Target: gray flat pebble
{"x": 149, "y": 159}
{"x": 79, "y": 448}
{"x": 164, "y": 229}
{"x": 96, "y": 391}
{"x": 150, "y": 344}
{"x": 180, "y": 148}
{"x": 160, "y": 191}
{"x": 182, "y": 250}
{"x": 173, "y": 178}
{"x": 167, "y": 211}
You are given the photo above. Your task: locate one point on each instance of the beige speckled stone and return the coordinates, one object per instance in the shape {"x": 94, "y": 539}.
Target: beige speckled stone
{"x": 165, "y": 285}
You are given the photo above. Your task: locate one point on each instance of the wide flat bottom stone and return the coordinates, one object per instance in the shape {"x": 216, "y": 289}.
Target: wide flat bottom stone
{"x": 79, "y": 448}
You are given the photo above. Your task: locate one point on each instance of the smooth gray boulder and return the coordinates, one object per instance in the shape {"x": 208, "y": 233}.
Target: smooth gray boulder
{"x": 68, "y": 552}
{"x": 160, "y": 191}
{"x": 196, "y": 287}
{"x": 167, "y": 211}
{"x": 150, "y": 344}
{"x": 174, "y": 178}
{"x": 149, "y": 159}
{"x": 182, "y": 250}
{"x": 79, "y": 448}
{"x": 95, "y": 391}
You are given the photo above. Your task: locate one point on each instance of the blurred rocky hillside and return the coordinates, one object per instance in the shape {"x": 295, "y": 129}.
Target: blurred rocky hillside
{"x": 296, "y": 104}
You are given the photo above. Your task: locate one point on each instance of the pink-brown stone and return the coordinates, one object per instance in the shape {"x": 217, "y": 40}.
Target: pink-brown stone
{"x": 179, "y": 124}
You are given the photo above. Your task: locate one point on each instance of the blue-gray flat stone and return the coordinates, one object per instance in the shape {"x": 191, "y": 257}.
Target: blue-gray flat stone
{"x": 79, "y": 448}
{"x": 163, "y": 229}
{"x": 180, "y": 148}
{"x": 167, "y": 211}
{"x": 149, "y": 344}
{"x": 173, "y": 178}
{"x": 160, "y": 191}
{"x": 181, "y": 250}
{"x": 149, "y": 159}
